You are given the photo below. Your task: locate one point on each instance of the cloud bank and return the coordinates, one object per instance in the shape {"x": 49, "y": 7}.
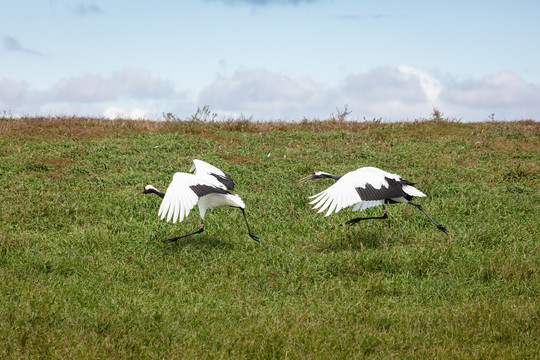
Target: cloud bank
{"x": 390, "y": 93}
{"x": 127, "y": 92}
{"x": 255, "y": 91}
{"x": 129, "y": 83}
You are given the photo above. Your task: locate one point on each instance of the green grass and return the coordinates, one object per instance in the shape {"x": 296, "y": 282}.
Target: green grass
{"x": 83, "y": 272}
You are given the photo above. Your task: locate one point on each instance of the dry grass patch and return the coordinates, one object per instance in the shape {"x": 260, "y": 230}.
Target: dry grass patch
{"x": 47, "y": 128}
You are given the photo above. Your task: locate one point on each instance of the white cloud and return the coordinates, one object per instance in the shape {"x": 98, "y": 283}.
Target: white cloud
{"x": 505, "y": 95}
{"x": 393, "y": 93}
{"x": 387, "y": 84}
{"x": 134, "y": 93}
{"x": 17, "y": 97}
{"x": 264, "y": 92}
{"x": 390, "y": 92}
{"x": 12, "y": 92}
{"x": 115, "y": 113}
{"x": 502, "y": 90}
{"x": 431, "y": 86}
{"x": 396, "y": 93}
{"x": 136, "y": 84}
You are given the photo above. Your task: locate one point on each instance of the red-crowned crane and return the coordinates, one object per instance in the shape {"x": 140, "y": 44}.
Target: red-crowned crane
{"x": 364, "y": 188}
{"x": 208, "y": 187}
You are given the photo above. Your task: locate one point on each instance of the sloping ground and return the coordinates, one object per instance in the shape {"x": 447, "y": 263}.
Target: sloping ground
{"x": 83, "y": 272}
{"x": 78, "y": 128}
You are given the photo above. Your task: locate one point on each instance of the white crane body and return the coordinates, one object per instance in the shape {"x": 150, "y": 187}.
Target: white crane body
{"x": 364, "y": 188}
{"x": 208, "y": 187}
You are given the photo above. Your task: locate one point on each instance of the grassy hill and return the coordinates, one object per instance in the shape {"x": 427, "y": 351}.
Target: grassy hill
{"x": 84, "y": 274}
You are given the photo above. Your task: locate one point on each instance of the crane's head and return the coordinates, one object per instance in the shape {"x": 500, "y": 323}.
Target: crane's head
{"x": 148, "y": 189}
{"x": 316, "y": 175}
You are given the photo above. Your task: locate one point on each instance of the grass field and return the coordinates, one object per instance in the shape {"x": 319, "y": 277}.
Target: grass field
{"x": 84, "y": 274}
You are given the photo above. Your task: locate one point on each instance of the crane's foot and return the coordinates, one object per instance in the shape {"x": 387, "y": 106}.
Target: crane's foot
{"x": 442, "y": 228}
{"x": 254, "y": 237}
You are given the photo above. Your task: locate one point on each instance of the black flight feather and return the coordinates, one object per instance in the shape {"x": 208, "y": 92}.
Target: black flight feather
{"x": 225, "y": 180}
{"x": 394, "y": 190}
{"x": 202, "y": 190}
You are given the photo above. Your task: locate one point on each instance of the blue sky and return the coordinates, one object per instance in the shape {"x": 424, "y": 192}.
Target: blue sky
{"x": 271, "y": 59}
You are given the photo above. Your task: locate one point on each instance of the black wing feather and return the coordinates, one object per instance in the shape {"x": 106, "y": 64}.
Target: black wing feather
{"x": 394, "y": 190}
{"x": 202, "y": 190}
{"x": 225, "y": 180}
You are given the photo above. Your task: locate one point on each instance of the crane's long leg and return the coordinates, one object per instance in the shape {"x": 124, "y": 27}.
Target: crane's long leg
{"x": 439, "y": 226}
{"x": 183, "y": 236}
{"x": 355, "y": 220}
{"x": 253, "y": 236}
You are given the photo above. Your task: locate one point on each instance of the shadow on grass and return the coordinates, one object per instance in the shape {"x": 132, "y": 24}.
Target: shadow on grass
{"x": 357, "y": 239}
{"x": 200, "y": 241}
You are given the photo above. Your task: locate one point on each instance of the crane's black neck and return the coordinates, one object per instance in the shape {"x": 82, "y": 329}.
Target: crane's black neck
{"x": 155, "y": 191}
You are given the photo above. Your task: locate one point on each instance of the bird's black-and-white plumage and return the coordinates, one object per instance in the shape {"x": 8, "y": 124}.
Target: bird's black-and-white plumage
{"x": 208, "y": 187}
{"x": 364, "y": 188}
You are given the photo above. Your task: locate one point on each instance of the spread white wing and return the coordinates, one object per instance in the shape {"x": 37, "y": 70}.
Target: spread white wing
{"x": 179, "y": 198}
{"x": 340, "y": 195}
{"x": 212, "y": 175}
{"x": 363, "y": 188}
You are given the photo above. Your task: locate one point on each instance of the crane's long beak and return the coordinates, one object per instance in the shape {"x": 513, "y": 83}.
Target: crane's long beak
{"x": 304, "y": 180}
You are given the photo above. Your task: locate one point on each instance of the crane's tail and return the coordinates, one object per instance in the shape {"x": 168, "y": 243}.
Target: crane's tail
{"x": 412, "y": 191}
